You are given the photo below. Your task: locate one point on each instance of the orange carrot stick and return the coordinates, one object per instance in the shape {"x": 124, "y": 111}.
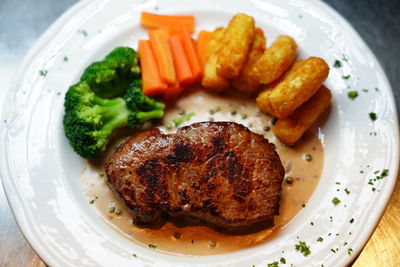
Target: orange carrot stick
{"x": 181, "y": 63}
{"x": 172, "y": 91}
{"x": 189, "y": 51}
{"x": 154, "y": 21}
{"x": 151, "y": 79}
{"x": 201, "y": 47}
{"x": 162, "y": 51}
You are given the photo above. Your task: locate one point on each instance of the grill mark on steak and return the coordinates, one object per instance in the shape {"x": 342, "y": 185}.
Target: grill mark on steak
{"x": 182, "y": 153}
{"x": 151, "y": 175}
{"x": 217, "y": 172}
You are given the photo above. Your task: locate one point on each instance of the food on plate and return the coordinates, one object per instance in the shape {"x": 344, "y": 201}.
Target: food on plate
{"x": 235, "y": 46}
{"x": 155, "y": 21}
{"x": 246, "y": 83}
{"x": 159, "y": 40}
{"x": 290, "y": 129}
{"x": 294, "y": 88}
{"x": 190, "y": 51}
{"x": 109, "y": 96}
{"x": 217, "y": 172}
{"x": 202, "y": 42}
{"x": 151, "y": 78}
{"x": 211, "y": 79}
{"x": 275, "y": 60}
{"x": 181, "y": 62}
{"x": 111, "y": 76}
{"x": 172, "y": 52}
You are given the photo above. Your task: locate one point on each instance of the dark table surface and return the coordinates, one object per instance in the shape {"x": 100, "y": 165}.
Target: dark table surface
{"x": 22, "y": 23}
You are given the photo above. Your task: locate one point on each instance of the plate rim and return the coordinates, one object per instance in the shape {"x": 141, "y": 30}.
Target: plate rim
{"x": 51, "y": 31}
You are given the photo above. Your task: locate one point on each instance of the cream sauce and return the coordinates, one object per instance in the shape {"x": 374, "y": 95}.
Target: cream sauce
{"x": 189, "y": 239}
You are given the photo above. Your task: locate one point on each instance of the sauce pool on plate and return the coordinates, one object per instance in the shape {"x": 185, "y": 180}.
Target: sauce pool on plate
{"x": 303, "y": 166}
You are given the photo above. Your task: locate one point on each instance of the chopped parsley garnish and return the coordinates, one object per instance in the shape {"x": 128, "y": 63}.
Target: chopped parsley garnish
{"x": 372, "y": 116}
{"x": 337, "y": 183}
{"x": 376, "y": 89}
{"x": 283, "y": 260}
{"x": 184, "y": 117}
{"x": 384, "y": 173}
{"x": 335, "y": 201}
{"x": 347, "y": 191}
{"x": 352, "y": 95}
{"x": 43, "y": 73}
{"x": 244, "y": 116}
{"x": 312, "y": 223}
{"x": 274, "y": 264}
{"x": 93, "y": 200}
{"x": 346, "y": 77}
{"x": 153, "y": 246}
{"x": 337, "y": 64}
{"x": 267, "y": 128}
{"x": 320, "y": 239}
{"x": 365, "y": 90}
{"x": 134, "y": 255}
{"x": 65, "y": 59}
{"x": 345, "y": 244}
{"x": 83, "y": 32}
{"x": 303, "y": 248}
{"x": 349, "y": 251}
{"x": 351, "y": 220}
{"x": 274, "y": 120}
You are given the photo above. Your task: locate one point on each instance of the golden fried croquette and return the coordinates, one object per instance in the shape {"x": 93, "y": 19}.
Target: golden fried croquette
{"x": 290, "y": 130}
{"x": 275, "y": 60}
{"x": 245, "y": 83}
{"x": 211, "y": 80}
{"x": 235, "y": 46}
{"x": 294, "y": 88}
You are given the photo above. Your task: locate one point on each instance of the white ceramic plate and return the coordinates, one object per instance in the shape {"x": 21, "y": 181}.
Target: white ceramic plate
{"x": 41, "y": 173}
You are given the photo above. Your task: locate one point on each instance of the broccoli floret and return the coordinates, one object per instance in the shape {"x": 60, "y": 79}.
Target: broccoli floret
{"x": 136, "y": 100}
{"x": 111, "y": 76}
{"x": 90, "y": 120}
{"x": 108, "y": 96}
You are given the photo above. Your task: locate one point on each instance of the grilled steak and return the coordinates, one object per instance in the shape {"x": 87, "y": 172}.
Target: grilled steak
{"x": 217, "y": 172}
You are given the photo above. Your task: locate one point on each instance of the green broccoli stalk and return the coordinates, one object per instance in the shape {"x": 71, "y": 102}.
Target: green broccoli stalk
{"x": 90, "y": 120}
{"x": 111, "y": 76}
{"x": 136, "y": 100}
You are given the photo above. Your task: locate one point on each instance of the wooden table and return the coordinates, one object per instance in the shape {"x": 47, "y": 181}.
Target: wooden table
{"x": 377, "y": 21}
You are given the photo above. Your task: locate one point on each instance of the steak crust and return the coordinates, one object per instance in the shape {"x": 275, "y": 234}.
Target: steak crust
{"x": 218, "y": 172}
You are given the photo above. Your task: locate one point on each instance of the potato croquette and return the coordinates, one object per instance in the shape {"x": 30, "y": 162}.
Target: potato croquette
{"x": 275, "y": 60}
{"x": 211, "y": 80}
{"x": 235, "y": 46}
{"x": 245, "y": 83}
{"x": 290, "y": 130}
{"x": 295, "y": 88}
{"x": 263, "y": 98}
